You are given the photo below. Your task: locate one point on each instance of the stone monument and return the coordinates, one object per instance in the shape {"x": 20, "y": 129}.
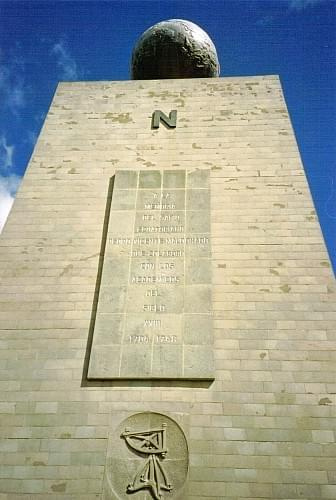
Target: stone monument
{"x": 167, "y": 302}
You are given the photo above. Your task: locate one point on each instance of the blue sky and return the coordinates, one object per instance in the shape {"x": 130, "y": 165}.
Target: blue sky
{"x": 43, "y": 42}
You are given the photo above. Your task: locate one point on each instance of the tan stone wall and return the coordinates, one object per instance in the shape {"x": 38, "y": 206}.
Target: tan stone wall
{"x": 265, "y": 427}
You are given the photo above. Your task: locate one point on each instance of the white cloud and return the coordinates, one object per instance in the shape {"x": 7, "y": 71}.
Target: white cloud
{"x": 290, "y": 7}
{"x": 8, "y": 187}
{"x": 6, "y": 202}
{"x": 299, "y": 5}
{"x": 12, "y": 90}
{"x": 330, "y": 204}
{"x": 265, "y": 20}
{"x": 65, "y": 61}
{"x": 31, "y": 137}
{"x": 40, "y": 117}
{"x": 6, "y": 154}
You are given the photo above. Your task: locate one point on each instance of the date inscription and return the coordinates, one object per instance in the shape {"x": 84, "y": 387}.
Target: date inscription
{"x": 158, "y": 339}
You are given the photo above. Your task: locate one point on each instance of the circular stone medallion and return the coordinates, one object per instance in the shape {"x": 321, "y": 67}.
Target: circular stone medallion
{"x": 147, "y": 459}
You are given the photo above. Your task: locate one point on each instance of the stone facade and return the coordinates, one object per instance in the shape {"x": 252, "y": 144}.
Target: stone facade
{"x": 265, "y": 428}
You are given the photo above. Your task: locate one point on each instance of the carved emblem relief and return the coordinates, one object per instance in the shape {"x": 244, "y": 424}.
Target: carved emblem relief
{"x": 147, "y": 459}
{"x": 153, "y": 444}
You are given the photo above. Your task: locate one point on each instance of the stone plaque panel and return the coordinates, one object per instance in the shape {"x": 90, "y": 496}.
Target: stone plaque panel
{"x": 154, "y": 313}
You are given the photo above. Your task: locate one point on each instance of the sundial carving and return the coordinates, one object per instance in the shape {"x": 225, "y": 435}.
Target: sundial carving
{"x": 147, "y": 458}
{"x": 151, "y": 475}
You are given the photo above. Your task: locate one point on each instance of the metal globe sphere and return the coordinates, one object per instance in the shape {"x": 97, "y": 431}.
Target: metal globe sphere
{"x": 174, "y": 49}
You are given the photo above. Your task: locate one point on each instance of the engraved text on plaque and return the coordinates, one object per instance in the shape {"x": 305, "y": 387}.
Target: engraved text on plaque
{"x": 154, "y": 309}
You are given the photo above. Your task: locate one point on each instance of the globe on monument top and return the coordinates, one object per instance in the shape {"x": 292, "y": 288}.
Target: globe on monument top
{"x": 174, "y": 49}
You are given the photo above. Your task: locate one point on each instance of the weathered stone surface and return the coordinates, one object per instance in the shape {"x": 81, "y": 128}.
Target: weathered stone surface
{"x": 264, "y": 427}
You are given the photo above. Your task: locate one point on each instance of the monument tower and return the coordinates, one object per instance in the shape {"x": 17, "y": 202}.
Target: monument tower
{"x": 167, "y": 301}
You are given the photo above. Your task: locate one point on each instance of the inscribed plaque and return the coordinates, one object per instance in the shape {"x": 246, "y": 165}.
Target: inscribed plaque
{"x": 154, "y": 312}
